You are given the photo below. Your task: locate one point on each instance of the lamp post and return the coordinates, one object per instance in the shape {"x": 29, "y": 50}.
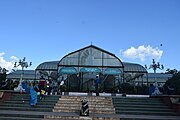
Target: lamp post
{"x": 23, "y": 65}
{"x": 155, "y": 66}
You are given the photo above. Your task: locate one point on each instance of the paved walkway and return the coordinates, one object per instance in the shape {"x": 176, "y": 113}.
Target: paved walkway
{"x": 145, "y": 117}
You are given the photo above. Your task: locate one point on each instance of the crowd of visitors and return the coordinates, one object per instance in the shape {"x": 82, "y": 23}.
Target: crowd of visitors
{"x": 42, "y": 88}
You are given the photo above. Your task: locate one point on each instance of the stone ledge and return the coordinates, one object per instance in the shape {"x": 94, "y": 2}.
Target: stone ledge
{"x": 78, "y": 107}
{"x": 90, "y": 111}
{"x": 85, "y": 118}
{"x": 79, "y": 103}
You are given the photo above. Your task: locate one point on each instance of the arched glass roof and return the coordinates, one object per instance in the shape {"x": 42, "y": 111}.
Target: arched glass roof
{"x": 27, "y": 74}
{"x": 134, "y": 68}
{"x": 91, "y": 56}
{"x": 51, "y": 65}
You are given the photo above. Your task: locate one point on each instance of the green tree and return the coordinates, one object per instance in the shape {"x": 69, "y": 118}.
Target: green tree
{"x": 169, "y": 71}
{"x": 3, "y": 74}
{"x": 175, "y": 82}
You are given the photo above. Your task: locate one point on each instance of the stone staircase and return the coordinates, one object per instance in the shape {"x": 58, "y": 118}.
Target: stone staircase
{"x": 101, "y": 105}
{"x": 18, "y": 107}
{"x": 67, "y": 107}
{"x": 72, "y": 105}
{"x": 142, "y": 106}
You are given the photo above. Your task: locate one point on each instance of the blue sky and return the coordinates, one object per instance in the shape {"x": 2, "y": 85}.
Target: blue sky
{"x": 134, "y": 30}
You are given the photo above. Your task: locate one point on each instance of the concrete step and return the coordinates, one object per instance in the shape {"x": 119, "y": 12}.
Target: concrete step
{"x": 90, "y": 102}
{"x": 27, "y": 109}
{"x": 142, "y": 112}
{"x": 79, "y": 102}
{"x": 80, "y": 118}
{"x": 61, "y": 117}
{"x": 89, "y": 99}
{"x": 77, "y": 111}
{"x": 28, "y": 96}
{"x": 20, "y": 115}
{"x": 140, "y": 106}
{"x": 137, "y": 100}
{"x": 105, "y": 111}
{"x": 152, "y": 100}
{"x": 79, "y": 105}
{"x": 18, "y": 94}
{"x": 19, "y": 118}
{"x": 46, "y": 100}
{"x": 136, "y": 103}
{"x": 28, "y": 102}
{"x": 144, "y": 109}
{"x": 136, "y": 117}
{"x": 26, "y": 105}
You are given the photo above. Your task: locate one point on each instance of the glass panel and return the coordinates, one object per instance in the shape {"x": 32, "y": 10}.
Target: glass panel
{"x": 70, "y": 59}
{"x": 109, "y": 60}
{"x": 90, "y": 57}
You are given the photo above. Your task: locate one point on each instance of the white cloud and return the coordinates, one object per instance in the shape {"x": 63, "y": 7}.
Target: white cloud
{"x": 143, "y": 53}
{"x": 7, "y": 64}
{"x": 1, "y": 54}
{"x": 14, "y": 58}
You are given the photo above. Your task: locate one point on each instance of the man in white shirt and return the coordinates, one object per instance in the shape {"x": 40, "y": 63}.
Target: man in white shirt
{"x": 61, "y": 86}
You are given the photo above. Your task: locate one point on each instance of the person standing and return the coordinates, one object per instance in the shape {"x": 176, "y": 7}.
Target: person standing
{"x": 42, "y": 93}
{"x": 24, "y": 86}
{"x": 97, "y": 82}
{"x": 19, "y": 88}
{"x": 151, "y": 89}
{"x": 33, "y": 93}
{"x": 50, "y": 86}
{"x": 54, "y": 87}
{"x": 61, "y": 85}
{"x": 42, "y": 83}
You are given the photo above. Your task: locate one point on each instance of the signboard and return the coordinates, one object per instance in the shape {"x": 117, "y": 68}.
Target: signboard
{"x": 112, "y": 71}
{"x": 90, "y": 70}
{"x": 67, "y": 70}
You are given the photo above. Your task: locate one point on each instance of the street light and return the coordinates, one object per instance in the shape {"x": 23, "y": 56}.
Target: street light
{"x": 155, "y": 66}
{"x": 23, "y": 65}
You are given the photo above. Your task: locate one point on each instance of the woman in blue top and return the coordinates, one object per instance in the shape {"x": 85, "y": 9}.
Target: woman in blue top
{"x": 33, "y": 93}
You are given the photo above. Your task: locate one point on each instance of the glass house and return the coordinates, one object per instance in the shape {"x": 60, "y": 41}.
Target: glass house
{"x": 79, "y": 69}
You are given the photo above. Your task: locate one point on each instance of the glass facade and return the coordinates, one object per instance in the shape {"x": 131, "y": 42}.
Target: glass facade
{"x": 89, "y": 62}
